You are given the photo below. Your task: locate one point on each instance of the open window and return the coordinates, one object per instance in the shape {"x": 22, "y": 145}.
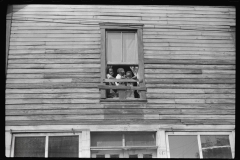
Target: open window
{"x": 122, "y": 70}
{"x": 200, "y": 145}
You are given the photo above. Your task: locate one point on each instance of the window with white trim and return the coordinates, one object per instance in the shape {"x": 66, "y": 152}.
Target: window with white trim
{"x": 199, "y": 145}
{"x": 122, "y": 53}
{"x": 123, "y": 145}
{"x": 46, "y": 145}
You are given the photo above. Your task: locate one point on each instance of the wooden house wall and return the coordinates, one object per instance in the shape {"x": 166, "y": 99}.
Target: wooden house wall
{"x": 54, "y": 65}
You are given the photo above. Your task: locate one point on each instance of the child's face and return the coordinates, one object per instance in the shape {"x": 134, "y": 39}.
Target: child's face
{"x": 128, "y": 75}
{"x": 122, "y": 72}
{"x": 111, "y": 71}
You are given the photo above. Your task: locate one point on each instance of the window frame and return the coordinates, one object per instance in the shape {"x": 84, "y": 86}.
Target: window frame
{"x": 46, "y": 135}
{"x": 198, "y": 134}
{"x": 104, "y": 27}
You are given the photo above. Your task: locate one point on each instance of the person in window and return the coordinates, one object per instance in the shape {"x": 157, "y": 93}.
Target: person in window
{"x": 129, "y": 93}
{"x": 134, "y": 70}
{"x": 111, "y": 93}
{"x": 120, "y": 75}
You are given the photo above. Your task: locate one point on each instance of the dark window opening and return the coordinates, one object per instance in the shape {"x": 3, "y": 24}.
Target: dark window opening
{"x": 127, "y": 69}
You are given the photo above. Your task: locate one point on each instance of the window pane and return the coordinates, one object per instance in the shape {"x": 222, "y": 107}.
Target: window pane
{"x": 114, "y": 47}
{"x": 147, "y": 156}
{"x": 223, "y": 152}
{"x": 140, "y": 139}
{"x": 129, "y": 48}
{"x": 213, "y": 144}
{"x": 29, "y": 147}
{"x": 106, "y": 139}
{"x": 133, "y": 156}
{"x": 100, "y": 156}
{"x": 218, "y": 140}
{"x": 183, "y": 146}
{"x": 63, "y": 146}
{"x": 114, "y": 156}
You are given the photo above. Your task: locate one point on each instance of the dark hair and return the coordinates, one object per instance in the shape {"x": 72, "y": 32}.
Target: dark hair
{"x": 129, "y": 72}
{"x": 109, "y": 67}
{"x": 119, "y": 69}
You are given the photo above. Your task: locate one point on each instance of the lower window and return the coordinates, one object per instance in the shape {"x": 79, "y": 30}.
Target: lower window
{"x": 199, "y": 145}
{"x": 46, "y": 145}
{"x": 123, "y": 145}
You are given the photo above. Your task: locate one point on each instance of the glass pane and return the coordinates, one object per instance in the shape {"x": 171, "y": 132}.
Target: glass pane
{"x": 183, "y": 146}
{"x": 140, "y": 139}
{"x": 114, "y": 47}
{"x": 63, "y": 146}
{"x": 100, "y": 156}
{"x": 215, "y": 140}
{"x": 114, "y": 156}
{"x": 213, "y": 144}
{"x": 133, "y": 156}
{"x": 223, "y": 152}
{"x": 147, "y": 156}
{"x": 106, "y": 139}
{"x": 29, "y": 147}
{"x": 129, "y": 48}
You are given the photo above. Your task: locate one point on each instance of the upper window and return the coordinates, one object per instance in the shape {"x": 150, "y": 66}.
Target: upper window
{"x": 122, "y": 70}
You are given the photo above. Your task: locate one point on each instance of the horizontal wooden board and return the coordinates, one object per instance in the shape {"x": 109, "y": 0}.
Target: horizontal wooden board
{"x": 53, "y": 61}
{"x": 186, "y": 41}
{"x": 56, "y": 56}
{"x": 93, "y": 44}
{"x": 215, "y": 107}
{"x": 52, "y": 76}
{"x": 191, "y": 57}
{"x": 156, "y": 53}
{"x": 65, "y": 66}
{"x": 186, "y": 66}
{"x": 170, "y": 71}
{"x": 193, "y": 105}
{"x": 175, "y": 44}
{"x": 42, "y": 101}
{"x": 190, "y": 48}
{"x": 95, "y": 111}
{"x": 188, "y": 96}
{"x": 70, "y": 80}
{"x": 190, "y": 81}
{"x": 225, "y": 91}
{"x": 52, "y": 85}
{"x": 56, "y": 91}
{"x": 183, "y": 76}
{"x": 186, "y": 37}
{"x": 55, "y": 51}
{"x": 191, "y": 100}
{"x": 52, "y": 39}
{"x": 53, "y": 47}
{"x": 183, "y": 61}
{"x": 92, "y": 31}
{"x": 191, "y": 86}
{"x": 54, "y": 96}
{"x": 52, "y": 70}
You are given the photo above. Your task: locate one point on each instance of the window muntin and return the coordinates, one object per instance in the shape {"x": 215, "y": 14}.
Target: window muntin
{"x": 216, "y": 141}
{"x": 47, "y": 144}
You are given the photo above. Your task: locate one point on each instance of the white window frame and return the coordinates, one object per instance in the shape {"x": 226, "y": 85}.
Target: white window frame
{"x": 198, "y": 134}
{"x": 46, "y": 140}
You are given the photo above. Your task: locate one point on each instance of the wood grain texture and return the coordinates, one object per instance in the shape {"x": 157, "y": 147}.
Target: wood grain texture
{"x": 56, "y": 64}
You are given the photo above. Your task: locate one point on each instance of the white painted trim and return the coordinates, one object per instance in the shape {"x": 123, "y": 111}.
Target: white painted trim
{"x": 199, "y": 146}
{"x": 46, "y": 146}
{"x": 68, "y": 128}
{"x": 232, "y": 143}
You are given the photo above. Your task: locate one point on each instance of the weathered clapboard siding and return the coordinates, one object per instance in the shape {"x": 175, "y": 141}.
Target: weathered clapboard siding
{"x": 54, "y": 65}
